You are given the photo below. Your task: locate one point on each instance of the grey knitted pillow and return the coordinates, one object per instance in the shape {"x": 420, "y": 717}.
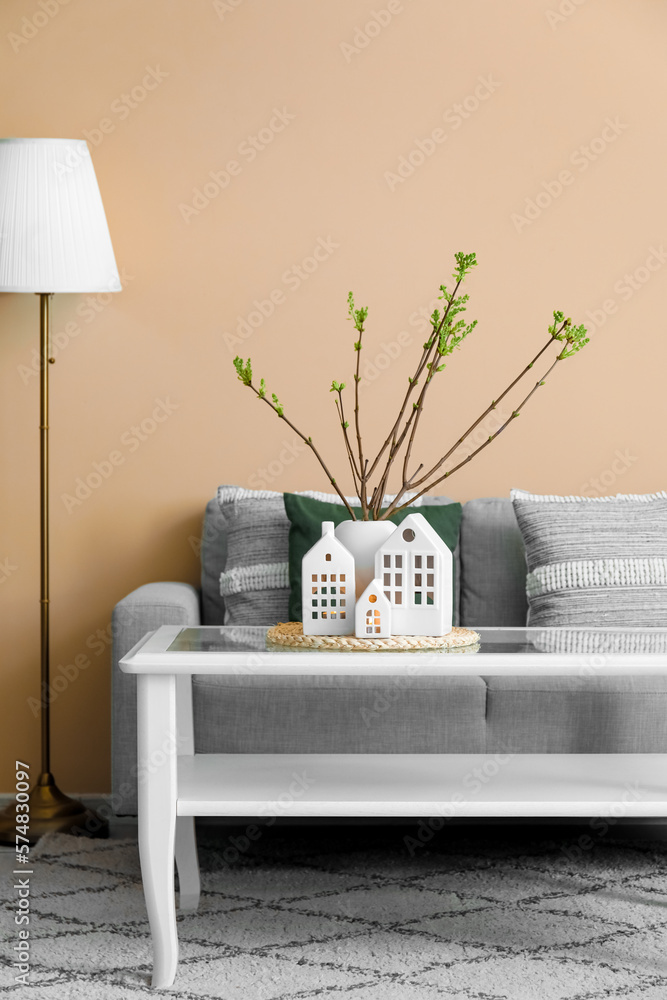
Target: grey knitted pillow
{"x": 255, "y": 582}
{"x": 595, "y": 561}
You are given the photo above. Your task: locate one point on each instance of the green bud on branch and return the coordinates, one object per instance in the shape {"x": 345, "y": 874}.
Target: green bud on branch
{"x": 244, "y": 372}
{"x": 277, "y": 405}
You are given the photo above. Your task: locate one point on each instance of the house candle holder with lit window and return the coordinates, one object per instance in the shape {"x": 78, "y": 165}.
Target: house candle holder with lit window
{"x": 411, "y": 593}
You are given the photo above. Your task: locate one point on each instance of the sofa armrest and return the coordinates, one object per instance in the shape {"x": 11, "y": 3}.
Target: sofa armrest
{"x": 145, "y": 609}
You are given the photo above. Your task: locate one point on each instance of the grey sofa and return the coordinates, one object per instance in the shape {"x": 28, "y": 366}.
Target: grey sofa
{"x": 247, "y": 714}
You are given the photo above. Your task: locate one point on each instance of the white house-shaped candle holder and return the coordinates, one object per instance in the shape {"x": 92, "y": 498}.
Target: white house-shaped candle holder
{"x": 373, "y": 613}
{"x": 415, "y": 567}
{"x": 328, "y": 586}
{"x": 411, "y": 593}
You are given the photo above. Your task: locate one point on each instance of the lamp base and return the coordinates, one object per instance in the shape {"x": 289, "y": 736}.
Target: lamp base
{"x": 51, "y": 811}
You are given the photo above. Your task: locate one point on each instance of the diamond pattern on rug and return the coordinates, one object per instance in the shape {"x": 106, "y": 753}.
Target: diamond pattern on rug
{"x": 315, "y": 912}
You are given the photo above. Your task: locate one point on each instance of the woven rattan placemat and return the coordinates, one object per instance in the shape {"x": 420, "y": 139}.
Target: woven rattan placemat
{"x": 291, "y": 634}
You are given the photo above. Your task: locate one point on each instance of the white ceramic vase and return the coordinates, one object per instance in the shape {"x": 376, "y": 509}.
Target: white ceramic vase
{"x": 363, "y": 539}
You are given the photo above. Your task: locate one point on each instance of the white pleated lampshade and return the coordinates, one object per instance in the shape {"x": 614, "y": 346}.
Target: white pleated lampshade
{"x": 53, "y": 231}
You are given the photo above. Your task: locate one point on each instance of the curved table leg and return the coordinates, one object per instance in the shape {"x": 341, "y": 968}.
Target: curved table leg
{"x": 157, "y": 744}
{"x": 187, "y": 863}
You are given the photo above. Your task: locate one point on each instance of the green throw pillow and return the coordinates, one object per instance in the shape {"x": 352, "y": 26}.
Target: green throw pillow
{"x": 306, "y": 516}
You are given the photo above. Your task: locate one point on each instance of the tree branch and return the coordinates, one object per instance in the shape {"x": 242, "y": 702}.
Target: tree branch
{"x": 413, "y": 419}
{"x": 485, "y": 444}
{"x": 428, "y": 347}
{"x": 306, "y": 440}
{"x": 357, "y": 317}
{"x": 485, "y": 413}
{"x": 350, "y": 454}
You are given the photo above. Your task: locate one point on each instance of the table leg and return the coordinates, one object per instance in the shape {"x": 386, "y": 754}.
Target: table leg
{"x": 187, "y": 863}
{"x": 157, "y": 744}
{"x": 186, "y": 842}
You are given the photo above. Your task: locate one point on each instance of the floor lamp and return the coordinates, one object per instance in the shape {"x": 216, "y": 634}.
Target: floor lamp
{"x": 53, "y": 238}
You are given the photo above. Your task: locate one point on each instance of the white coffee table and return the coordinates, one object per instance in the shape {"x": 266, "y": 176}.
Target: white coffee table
{"x": 175, "y": 784}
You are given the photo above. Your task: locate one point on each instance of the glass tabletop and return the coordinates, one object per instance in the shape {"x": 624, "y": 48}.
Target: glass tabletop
{"x": 516, "y": 641}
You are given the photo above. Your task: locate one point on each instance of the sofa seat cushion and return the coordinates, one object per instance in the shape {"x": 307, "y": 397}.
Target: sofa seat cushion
{"x": 577, "y": 714}
{"x": 248, "y": 714}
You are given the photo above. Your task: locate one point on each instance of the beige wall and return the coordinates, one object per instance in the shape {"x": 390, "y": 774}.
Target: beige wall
{"x": 356, "y": 106}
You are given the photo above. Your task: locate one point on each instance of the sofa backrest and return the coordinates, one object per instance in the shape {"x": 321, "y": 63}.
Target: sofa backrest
{"x": 493, "y": 565}
{"x": 492, "y": 577}
{"x": 213, "y": 559}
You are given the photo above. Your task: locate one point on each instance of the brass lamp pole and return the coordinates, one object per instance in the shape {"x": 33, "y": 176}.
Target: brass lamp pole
{"x": 50, "y": 809}
{"x": 54, "y": 235}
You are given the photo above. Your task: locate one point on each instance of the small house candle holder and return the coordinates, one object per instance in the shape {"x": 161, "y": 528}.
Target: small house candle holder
{"x": 411, "y": 593}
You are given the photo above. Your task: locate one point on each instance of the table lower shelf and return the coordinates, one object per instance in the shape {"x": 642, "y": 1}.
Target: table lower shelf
{"x": 448, "y": 785}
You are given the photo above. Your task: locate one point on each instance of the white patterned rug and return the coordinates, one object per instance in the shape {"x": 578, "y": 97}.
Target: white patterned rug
{"x": 347, "y": 912}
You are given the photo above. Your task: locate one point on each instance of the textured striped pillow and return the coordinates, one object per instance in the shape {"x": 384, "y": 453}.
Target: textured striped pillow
{"x": 595, "y": 561}
{"x": 255, "y": 581}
